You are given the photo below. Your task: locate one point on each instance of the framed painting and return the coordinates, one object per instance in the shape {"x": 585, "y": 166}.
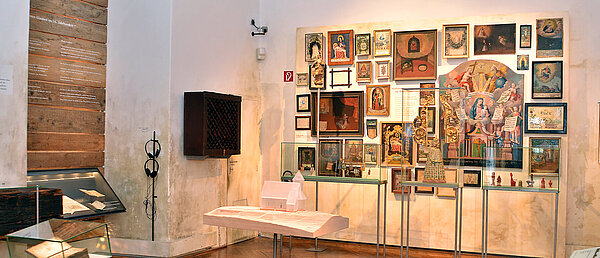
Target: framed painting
{"x": 383, "y": 70}
{"x": 525, "y": 36}
{"x": 303, "y": 103}
{"x": 313, "y": 47}
{"x": 522, "y": 62}
{"x": 340, "y": 77}
{"x": 353, "y": 151}
{"x": 378, "y": 100}
{"x": 430, "y": 118}
{"x": 544, "y": 155}
{"x": 419, "y": 175}
{"x": 371, "y": 128}
{"x": 364, "y": 71}
{"x": 382, "y": 44}
{"x": 472, "y": 178}
{"x": 371, "y": 154}
{"x": 422, "y": 151}
{"x": 415, "y": 55}
{"x": 340, "y": 113}
{"x": 363, "y": 44}
{"x": 495, "y": 39}
{"x": 400, "y": 175}
{"x": 427, "y": 97}
{"x": 302, "y": 79}
{"x": 302, "y": 123}
{"x": 456, "y": 41}
{"x": 340, "y": 47}
{"x": 546, "y": 118}
{"x": 396, "y": 143}
{"x": 317, "y": 75}
{"x": 547, "y": 80}
{"x": 450, "y": 179}
{"x": 306, "y": 158}
{"x": 549, "y": 37}
{"x": 330, "y": 154}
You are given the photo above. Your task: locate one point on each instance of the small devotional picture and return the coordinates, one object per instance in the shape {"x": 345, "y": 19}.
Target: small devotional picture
{"x": 340, "y": 47}
{"x": 313, "y": 45}
{"x": 549, "y": 38}
{"x": 495, "y": 39}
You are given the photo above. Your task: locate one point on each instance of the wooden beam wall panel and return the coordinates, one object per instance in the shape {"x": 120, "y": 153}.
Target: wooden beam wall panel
{"x": 43, "y": 93}
{"x": 50, "y": 119}
{"x": 103, "y": 3}
{"x": 65, "y": 142}
{"x": 64, "y": 71}
{"x": 46, "y": 44}
{"x": 56, "y": 24}
{"x": 71, "y": 8}
{"x": 55, "y": 160}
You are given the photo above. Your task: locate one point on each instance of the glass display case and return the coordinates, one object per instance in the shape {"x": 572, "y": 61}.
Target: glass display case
{"x": 59, "y": 238}
{"x": 85, "y": 191}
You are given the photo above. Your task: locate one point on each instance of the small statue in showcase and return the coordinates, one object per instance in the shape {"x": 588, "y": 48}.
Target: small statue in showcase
{"x": 520, "y": 183}
{"x": 512, "y": 181}
{"x": 434, "y": 167}
{"x": 499, "y": 181}
{"x": 493, "y": 179}
{"x": 550, "y": 183}
{"x": 543, "y": 183}
{"x": 530, "y": 182}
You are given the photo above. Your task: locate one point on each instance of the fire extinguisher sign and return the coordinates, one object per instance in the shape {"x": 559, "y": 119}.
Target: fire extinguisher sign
{"x": 288, "y": 76}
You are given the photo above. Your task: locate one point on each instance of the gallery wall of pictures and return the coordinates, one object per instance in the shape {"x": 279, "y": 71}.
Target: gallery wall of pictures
{"x": 504, "y": 78}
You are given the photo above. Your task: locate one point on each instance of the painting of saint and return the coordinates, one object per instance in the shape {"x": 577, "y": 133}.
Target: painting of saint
{"x": 547, "y": 80}
{"x": 549, "y": 37}
{"x": 378, "y": 100}
{"x": 522, "y": 62}
{"x": 495, "y": 39}
{"x": 341, "y": 47}
{"x": 313, "y": 45}
{"x": 364, "y": 71}
{"x": 396, "y": 143}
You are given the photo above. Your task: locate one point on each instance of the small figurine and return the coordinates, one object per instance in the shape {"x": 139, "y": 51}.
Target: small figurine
{"x": 520, "y": 183}
{"x": 550, "y": 183}
{"x": 493, "y": 179}
{"x": 499, "y": 181}
{"x": 530, "y": 182}
{"x": 512, "y": 181}
{"x": 543, "y": 183}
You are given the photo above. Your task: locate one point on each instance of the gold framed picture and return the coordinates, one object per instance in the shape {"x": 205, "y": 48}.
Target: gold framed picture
{"x": 455, "y": 41}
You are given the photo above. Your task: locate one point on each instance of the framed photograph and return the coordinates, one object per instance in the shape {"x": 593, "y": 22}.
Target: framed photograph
{"x": 382, "y": 44}
{"x": 396, "y": 143}
{"x": 547, "y": 80}
{"x": 313, "y": 47}
{"x": 495, "y": 39}
{"x": 371, "y": 154}
{"x": 415, "y": 55}
{"x": 363, "y": 44}
{"x": 400, "y": 175}
{"x": 340, "y": 47}
{"x": 549, "y": 38}
{"x": 450, "y": 179}
{"x": 364, "y": 71}
{"x": 317, "y": 75}
{"x": 306, "y": 158}
{"x": 472, "y": 178}
{"x": 422, "y": 151}
{"x": 522, "y": 62}
{"x": 353, "y": 151}
{"x": 330, "y": 153}
{"x": 427, "y": 97}
{"x": 525, "y": 36}
{"x": 340, "y": 77}
{"x": 303, "y": 103}
{"x": 419, "y": 175}
{"x": 456, "y": 41}
{"x": 546, "y": 118}
{"x": 302, "y": 123}
{"x": 340, "y": 113}
{"x": 302, "y": 79}
{"x": 430, "y": 118}
{"x": 378, "y": 100}
{"x": 383, "y": 70}
{"x": 544, "y": 155}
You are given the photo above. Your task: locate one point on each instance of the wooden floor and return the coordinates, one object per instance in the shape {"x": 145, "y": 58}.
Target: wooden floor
{"x": 263, "y": 247}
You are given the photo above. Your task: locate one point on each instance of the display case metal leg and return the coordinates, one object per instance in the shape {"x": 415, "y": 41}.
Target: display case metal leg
{"x": 555, "y": 222}
{"x": 460, "y": 224}
{"x": 274, "y": 245}
{"x": 316, "y": 248}
{"x": 384, "y": 215}
{"x": 456, "y": 224}
{"x": 378, "y": 215}
{"x": 401, "y": 221}
{"x": 407, "y": 219}
{"x": 290, "y": 245}
{"x": 482, "y": 222}
{"x": 487, "y": 218}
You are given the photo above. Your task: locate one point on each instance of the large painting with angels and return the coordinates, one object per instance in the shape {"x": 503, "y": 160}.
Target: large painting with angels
{"x": 481, "y": 116}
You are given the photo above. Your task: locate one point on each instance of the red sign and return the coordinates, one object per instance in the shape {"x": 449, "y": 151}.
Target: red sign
{"x": 288, "y": 76}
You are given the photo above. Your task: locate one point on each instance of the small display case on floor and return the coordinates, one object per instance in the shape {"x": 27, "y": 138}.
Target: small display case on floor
{"x": 58, "y": 238}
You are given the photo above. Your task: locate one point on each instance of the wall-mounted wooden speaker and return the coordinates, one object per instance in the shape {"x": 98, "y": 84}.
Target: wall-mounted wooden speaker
{"x": 211, "y": 124}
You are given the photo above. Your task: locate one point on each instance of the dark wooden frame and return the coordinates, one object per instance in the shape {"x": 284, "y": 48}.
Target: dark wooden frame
{"x": 402, "y": 170}
{"x": 531, "y": 139}
{"x": 521, "y": 28}
{"x": 562, "y": 77}
{"x": 356, "y": 44}
{"x": 298, "y": 102}
{"x": 333, "y": 84}
{"x": 303, "y": 128}
{"x": 526, "y": 120}
{"x": 300, "y": 149}
{"x": 340, "y": 94}
{"x": 322, "y": 163}
{"x": 472, "y": 171}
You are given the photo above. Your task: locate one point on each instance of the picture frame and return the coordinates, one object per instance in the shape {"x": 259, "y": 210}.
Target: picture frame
{"x": 450, "y": 179}
{"x": 306, "y": 158}
{"x": 415, "y": 55}
{"x": 364, "y": 71}
{"x": 427, "y": 97}
{"x": 313, "y": 47}
{"x": 371, "y": 128}
{"x": 340, "y": 113}
{"x": 471, "y": 178}
{"x": 330, "y": 153}
{"x": 371, "y": 154}
{"x": 340, "y": 47}
{"x": 549, "y": 37}
{"x": 378, "y": 100}
{"x": 419, "y": 175}
{"x": 317, "y": 76}
{"x": 525, "y": 36}
{"x": 340, "y": 78}
{"x": 547, "y": 80}
{"x": 544, "y": 155}
{"x": 382, "y": 42}
{"x": 546, "y": 118}
{"x": 302, "y": 123}
{"x": 363, "y": 44}
{"x": 301, "y": 79}
{"x": 398, "y": 176}
{"x": 303, "y": 103}
{"x": 353, "y": 151}
{"x": 383, "y": 70}
{"x": 455, "y": 41}
{"x": 430, "y": 118}
{"x": 396, "y": 143}
{"x": 494, "y": 39}
{"x": 522, "y": 62}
